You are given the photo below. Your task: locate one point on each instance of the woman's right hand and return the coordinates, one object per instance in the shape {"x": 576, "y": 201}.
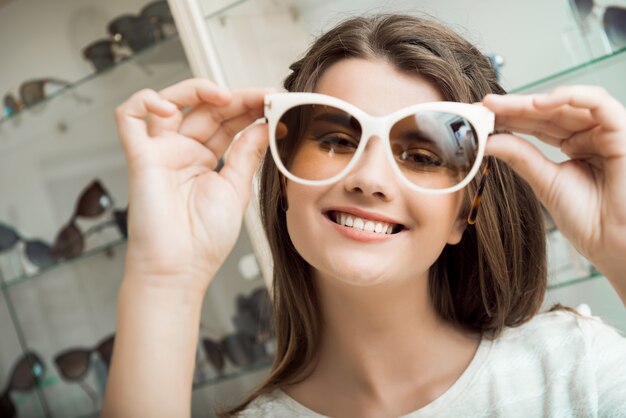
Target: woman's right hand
{"x": 184, "y": 217}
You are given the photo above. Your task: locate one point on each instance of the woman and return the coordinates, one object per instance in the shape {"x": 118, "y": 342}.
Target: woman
{"x": 440, "y": 317}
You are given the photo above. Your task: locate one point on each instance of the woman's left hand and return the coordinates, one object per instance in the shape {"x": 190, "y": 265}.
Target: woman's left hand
{"x": 585, "y": 195}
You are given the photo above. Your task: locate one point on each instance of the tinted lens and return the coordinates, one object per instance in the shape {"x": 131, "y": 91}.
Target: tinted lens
{"x": 316, "y": 142}
{"x": 73, "y": 364}
{"x": 93, "y": 201}
{"x": 121, "y": 220}
{"x": 39, "y": 253}
{"x": 32, "y": 92}
{"x": 8, "y": 238}
{"x": 157, "y": 11}
{"x": 7, "y": 408}
{"x": 68, "y": 243}
{"x": 100, "y": 54}
{"x": 27, "y": 372}
{"x": 239, "y": 349}
{"x": 615, "y": 26}
{"x": 434, "y": 150}
{"x": 214, "y": 354}
{"x": 137, "y": 32}
{"x": 105, "y": 349}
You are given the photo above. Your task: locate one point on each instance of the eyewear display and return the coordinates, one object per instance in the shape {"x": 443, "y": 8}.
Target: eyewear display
{"x": 153, "y": 23}
{"x": 434, "y": 147}
{"x": 37, "y": 251}
{"x": 93, "y": 201}
{"x": 27, "y": 373}
{"x": 31, "y": 92}
{"x": 613, "y": 19}
{"x": 240, "y": 348}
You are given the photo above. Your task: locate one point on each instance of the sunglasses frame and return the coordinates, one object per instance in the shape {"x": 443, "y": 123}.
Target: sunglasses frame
{"x": 481, "y": 118}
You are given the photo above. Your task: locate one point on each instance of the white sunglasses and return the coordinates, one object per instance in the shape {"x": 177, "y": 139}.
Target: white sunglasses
{"x": 464, "y": 126}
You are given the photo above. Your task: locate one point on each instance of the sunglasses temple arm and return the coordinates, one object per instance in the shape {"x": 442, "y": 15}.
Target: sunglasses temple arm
{"x": 91, "y": 393}
{"x": 471, "y": 219}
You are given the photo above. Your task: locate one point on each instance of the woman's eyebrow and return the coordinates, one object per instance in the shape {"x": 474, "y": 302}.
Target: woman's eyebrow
{"x": 343, "y": 120}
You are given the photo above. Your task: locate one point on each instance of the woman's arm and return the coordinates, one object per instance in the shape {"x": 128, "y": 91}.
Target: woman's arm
{"x": 586, "y": 195}
{"x": 183, "y": 221}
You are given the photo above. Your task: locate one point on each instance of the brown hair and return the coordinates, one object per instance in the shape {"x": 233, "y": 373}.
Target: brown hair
{"x": 494, "y": 278}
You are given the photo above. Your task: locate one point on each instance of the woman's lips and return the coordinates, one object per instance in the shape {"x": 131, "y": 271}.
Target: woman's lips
{"x": 360, "y": 235}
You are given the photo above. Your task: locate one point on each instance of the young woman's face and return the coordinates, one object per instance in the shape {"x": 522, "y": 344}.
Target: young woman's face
{"x": 430, "y": 221}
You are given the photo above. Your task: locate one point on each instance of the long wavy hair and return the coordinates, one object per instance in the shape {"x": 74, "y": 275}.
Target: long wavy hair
{"x": 495, "y": 277}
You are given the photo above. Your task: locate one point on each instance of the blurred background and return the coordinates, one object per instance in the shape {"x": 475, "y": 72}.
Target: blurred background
{"x": 63, "y": 182}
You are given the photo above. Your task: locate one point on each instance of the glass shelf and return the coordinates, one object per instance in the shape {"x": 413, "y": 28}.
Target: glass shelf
{"x": 106, "y": 248}
{"x": 570, "y": 282}
{"x": 585, "y": 66}
{"x": 71, "y": 87}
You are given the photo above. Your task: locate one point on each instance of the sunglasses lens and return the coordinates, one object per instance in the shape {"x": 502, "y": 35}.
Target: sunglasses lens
{"x": 214, "y": 354}
{"x": 615, "y": 26}
{"x": 106, "y": 350}
{"x": 8, "y": 238}
{"x": 100, "y": 54}
{"x": 121, "y": 220}
{"x": 137, "y": 32}
{"x": 39, "y": 253}
{"x": 316, "y": 142}
{"x": 93, "y": 201}
{"x": 68, "y": 243}
{"x": 434, "y": 150}
{"x": 73, "y": 365}
{"x": 158, "y": 11}
{"x": 7, "y": 408}
{"x": 32, "y": 92}
{"x": 28, "y": 371}
{"x": 239, "y": 349}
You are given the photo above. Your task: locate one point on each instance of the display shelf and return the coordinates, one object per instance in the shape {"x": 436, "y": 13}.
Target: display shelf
{"x": 135, "y": 57}
{"x": 570, "y": 282}
{"x": 587, "y": 66}
{"x": 102, "y": 249}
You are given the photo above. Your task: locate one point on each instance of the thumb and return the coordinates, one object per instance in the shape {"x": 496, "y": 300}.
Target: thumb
{"x": 527, "y": 161}
{"x": 243, "y": 157}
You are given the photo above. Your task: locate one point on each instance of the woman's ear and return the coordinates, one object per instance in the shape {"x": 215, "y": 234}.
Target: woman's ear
{"x": 456, "y": 233}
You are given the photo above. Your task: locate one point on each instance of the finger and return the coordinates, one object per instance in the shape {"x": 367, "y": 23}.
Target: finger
{"x": 194, "y": 91}
{"x": 544, "y": 130}
{"x": 130, "y": 116}
{"x": 596, "y": 142}
{"x": 528, "y": 161}
{"x": 244, "y": 157}
{"x": 245, "y": 107}
{"x": 605, "y": 109}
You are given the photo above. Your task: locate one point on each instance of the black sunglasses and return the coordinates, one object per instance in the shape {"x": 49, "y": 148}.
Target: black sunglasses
{"x": 27, "y": 372}
{"x": 31, "y": 92}
{"x": 93, "y": 201}
{"x": 137, "y": 32}
{"x": 37, "y": 251}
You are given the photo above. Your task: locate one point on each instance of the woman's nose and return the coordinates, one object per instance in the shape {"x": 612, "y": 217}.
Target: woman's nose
{"x": 372, "y": 175}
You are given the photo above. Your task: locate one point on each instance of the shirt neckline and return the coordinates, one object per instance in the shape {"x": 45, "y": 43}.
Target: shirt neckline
{"x": 443, "y": 401}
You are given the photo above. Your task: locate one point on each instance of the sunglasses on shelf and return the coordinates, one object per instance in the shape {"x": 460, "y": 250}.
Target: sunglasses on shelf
{"x": 136, "y": 32}
{"x": 239, "y": 348}
{"x": 31, "y": 92}
{"x": 74, "y": 364}
{"x": 38, "y": 252}
{"x": 93, "y": 201}
{"x": 613, "y": 19}
{"x": 27, "y": 372}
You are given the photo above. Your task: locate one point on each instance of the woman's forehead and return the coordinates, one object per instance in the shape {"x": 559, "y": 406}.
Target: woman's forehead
{"x": 376, "y": 87}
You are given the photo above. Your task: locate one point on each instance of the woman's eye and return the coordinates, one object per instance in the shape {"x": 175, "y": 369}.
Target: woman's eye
{"x": 337, "y": 143}
{"x": 420, "y": 159}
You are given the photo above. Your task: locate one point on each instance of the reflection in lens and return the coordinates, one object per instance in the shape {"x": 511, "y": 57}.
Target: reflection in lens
{"x": 316, "y": 142}
{"x": 615, "y": 26}
{"x": 434, "y": 150}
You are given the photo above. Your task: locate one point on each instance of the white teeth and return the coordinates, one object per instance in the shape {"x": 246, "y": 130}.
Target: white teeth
{"x": 365, "y": 225}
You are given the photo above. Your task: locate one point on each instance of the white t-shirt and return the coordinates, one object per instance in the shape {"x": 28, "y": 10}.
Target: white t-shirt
{"x": 555, "y": 365}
